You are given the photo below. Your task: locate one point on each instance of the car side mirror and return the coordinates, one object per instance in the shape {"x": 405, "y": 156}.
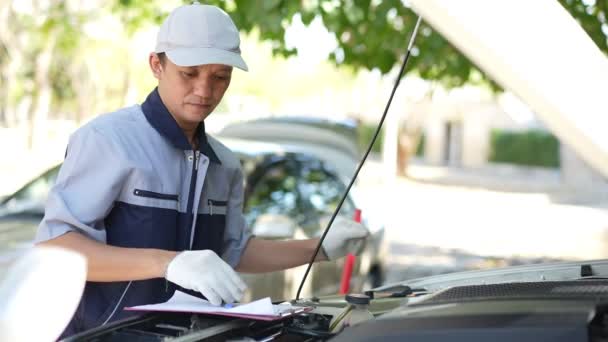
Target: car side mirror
{"x": 40, "y": 293}
{"x": 274, "y": 226}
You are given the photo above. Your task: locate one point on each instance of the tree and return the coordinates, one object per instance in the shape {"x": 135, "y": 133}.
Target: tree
{"x": 32, "y": 41}
{"x": 370, "y": 33}
{"x": 51, "y": 71}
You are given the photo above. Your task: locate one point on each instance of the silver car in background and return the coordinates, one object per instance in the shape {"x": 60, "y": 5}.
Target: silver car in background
{"x": 293, "y": 193}
{"x": 291, "y": 188}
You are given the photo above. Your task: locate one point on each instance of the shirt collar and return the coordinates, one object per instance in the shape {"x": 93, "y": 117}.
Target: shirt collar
{"x": 163, "y": 122}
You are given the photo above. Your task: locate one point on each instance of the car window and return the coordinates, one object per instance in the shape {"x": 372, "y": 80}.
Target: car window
{"x": 321, "y": 192}
{"x": 300, "y": 188}
{"x": 32, "y": 197}
{"x": 274, "y": 192}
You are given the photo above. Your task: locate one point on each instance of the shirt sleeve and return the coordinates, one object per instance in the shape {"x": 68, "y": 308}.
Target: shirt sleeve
{"x": 237, "y": 233}
{"x": 88, "y": 184}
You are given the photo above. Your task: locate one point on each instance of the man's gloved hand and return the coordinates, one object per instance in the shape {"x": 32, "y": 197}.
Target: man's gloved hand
{"x": 345, "y": 236}
{"x": 207, "y": 273}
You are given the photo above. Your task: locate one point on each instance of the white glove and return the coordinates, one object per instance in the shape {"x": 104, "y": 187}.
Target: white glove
{"x": 207, "y": 273}
{"x": 345, "y": 236}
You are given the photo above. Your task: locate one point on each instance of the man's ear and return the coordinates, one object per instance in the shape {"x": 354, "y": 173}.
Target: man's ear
{"x": 155, "y": 65}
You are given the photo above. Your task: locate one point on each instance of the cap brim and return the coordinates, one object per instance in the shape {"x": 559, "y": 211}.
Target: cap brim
{"x": 199, "y": 56}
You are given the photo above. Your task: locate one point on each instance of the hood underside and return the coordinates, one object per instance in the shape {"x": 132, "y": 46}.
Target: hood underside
{"x": 539, "y": 52}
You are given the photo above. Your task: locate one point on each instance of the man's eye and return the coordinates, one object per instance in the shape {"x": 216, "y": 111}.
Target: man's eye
{"x": 187, "y": 74}
{"x": 221, "y": 77}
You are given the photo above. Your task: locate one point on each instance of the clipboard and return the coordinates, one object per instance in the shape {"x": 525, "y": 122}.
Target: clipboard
{"x": 261, "y": 309}
{"x": 269, "y": 318}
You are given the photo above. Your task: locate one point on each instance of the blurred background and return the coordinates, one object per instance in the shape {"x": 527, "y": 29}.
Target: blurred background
{"x": 464, "y": 175}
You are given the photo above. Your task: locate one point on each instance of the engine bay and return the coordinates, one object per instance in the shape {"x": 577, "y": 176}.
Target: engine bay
{"x": 532, "y": 311}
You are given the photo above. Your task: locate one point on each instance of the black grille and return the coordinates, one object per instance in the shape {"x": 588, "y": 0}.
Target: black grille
{"x": 583, "y": 289}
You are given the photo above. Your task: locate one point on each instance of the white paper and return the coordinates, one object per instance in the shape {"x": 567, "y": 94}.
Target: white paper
{"x": 182, "y": 302}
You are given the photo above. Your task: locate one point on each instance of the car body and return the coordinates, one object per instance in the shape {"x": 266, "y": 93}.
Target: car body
{"x": 20, "y": 214}
{"x": 547, "y": 302}
{"x": 290, "y": 189}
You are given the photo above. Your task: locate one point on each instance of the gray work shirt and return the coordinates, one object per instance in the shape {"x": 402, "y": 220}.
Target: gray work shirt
{"x": 131, "y": 179}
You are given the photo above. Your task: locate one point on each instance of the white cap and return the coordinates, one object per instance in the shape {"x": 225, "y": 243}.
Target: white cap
{"x": 200, "y": 34}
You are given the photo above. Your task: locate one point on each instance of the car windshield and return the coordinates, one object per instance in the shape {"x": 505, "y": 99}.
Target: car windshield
{"x": 297, "y": 186}
{"x": 30, "y": 199}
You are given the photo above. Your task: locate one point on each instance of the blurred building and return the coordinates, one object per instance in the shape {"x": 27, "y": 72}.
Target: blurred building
{"x": 457, "y": 127}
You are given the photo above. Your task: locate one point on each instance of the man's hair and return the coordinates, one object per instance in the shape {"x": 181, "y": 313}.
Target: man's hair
{"x": 162, "y": 57}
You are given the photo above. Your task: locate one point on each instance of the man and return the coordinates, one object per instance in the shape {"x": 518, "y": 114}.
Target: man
{"x": 145, "y": 194}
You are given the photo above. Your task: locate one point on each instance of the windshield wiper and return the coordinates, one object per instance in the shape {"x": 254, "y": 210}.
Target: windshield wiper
{"x": 396, "y": 291}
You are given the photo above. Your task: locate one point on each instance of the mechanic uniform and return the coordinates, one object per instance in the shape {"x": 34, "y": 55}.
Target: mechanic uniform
{"x": 131, "y": 179}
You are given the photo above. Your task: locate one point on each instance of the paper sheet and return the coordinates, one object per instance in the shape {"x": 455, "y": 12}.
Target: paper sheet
{"x": 182, "y": 302}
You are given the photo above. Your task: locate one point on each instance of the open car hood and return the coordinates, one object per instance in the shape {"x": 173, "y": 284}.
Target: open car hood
{"x": 523, "y": 46}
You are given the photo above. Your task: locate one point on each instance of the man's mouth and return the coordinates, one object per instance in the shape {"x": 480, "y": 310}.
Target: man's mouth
{"x": 200, "y": 105}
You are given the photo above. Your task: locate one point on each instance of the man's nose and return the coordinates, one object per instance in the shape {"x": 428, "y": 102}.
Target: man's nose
{"x": 203, "y": 87}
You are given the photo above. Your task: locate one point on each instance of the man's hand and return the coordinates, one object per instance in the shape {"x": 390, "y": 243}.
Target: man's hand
{"x": 345, "y": 236}
{"x": 207, "y": 273}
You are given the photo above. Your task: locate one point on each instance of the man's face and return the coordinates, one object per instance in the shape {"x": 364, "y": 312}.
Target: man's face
{"x": 190, "y": 93}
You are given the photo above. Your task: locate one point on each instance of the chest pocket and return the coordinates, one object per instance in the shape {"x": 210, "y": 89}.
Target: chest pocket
{"x": 216, "y": 207}
{"x": 210, "y": 226}
{"x": 150, "y": 196}
{"x": 156, "y": 195}
{"x": 148, "y": 220}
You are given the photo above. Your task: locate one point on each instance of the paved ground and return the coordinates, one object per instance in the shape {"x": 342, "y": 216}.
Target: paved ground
{"x": 459, "y": 220}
